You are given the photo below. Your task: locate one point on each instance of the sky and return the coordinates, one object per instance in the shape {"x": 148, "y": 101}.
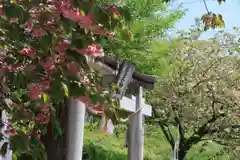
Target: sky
{"x": 230, "y": 11}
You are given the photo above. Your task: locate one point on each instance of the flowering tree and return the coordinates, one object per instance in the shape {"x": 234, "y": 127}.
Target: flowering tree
{"x": 200, "y": 97}
{"x": 42, "y": 62}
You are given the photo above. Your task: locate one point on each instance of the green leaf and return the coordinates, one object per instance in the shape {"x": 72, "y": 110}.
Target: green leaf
{"x": 14, "y": 156}
{"x": 57, "y": 93}
{"x": 76, "y": 89}
{"x": 104, "y": 16}
{"x": 103, "y": 41}
{"x": 125, "y": 13}
{"x": 95, "y": 98}
{"x": 46, "y": 42}
{"x": 65, "y": 88}
{"x": 76, "y": 3}
{"x": 67, "y": 25}
{"x": 115, "y": 88}
{"x": 57, "y": 130}
{"x": 33, "y": 141}
{"x": 39, "y": 69}
{"x": 45, "y": 97}
{"x": 14, "y": 10}
{"x": 79, "y": 38}
{"x": 19, "y": 142}
{"x": 16, "y": 97}
{"x": 4, "y": 149}
{"x": 81, "y": 59}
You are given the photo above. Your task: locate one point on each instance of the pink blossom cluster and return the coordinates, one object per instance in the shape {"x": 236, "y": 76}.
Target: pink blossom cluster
{"x": 28, "y": 52}
{"x": 86, "y": 21}
{"x": 9, "y": 130}
{"x": 94, "y": 50}
{"x": 44, "y": 114}
{"x": 36, "y": 89}
{"x": 95, "y": 109}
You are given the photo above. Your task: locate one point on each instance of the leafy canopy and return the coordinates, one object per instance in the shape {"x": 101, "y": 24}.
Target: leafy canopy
{"x": 42, "y": 62}
{"x": 142, "y": 41}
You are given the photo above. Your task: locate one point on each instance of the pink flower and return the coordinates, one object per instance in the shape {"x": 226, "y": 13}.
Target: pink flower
{"x": 35, "y": 135}
{"x": 12, "y": 68}
{"x": 61, "y": 57}
{"x": 36, "y": 89}
{"x": 72, "y": 68}
{"x": 60, "y": 34}
{"x": 30, "y": 68}
{"x": 9, "y": 121}
{"x": 110, "y": 34}
{"x": 44, "y": 114}
{"x": 84, "y": 99}
{"x": 3, "y": 60}
{"x": 50, "y": 26}
{"x": 113, "y": 9}
{"x": 71, "y": 14}
{"x": 86, "y": 21}
{"x": 38, "y": 32}
{"x": 10, "y": 131}
{"x": 35, "y": 12}
{"x": 29, "y": 26}
{"x": 85, "y": 80}
{"x": 9, "y": 126}
{"x": 45, "y": 108}
{"x": 97, "y": 29}
{"x": 98, "y": 109}
{"x": 101, "y": 89}
{"x": 48, "y": 65}
{"x": 94, "y": 50}
{"x": 65, "y": 7}
{"x": 35, "y": 15}
{"x": 12, "y": 20}
{"x": 42, "y": 119}
{"x": 61, "y": 5}
{"x": 61, "y": 47}
{"x": 39, "y": 117}
{"x": 28, "y": 52}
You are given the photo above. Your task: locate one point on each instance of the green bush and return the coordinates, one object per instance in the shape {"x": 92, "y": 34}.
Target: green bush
{"x": 94, "y": 151}
{"x": 100, "y": 147}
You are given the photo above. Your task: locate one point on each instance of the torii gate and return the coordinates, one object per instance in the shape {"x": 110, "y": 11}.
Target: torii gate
{"x": 127, "y": 78}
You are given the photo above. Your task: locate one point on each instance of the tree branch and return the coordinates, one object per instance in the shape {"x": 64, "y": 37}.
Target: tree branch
{"x": 235, "y": 126}
{"x": 202, "y": 131}
{"x": 180, "y": 128}
{"x": 167, "y": 133}
{"x": 213, "y": 101}
{"x": 201, "y": 81}
{"x": 205, "y": 4}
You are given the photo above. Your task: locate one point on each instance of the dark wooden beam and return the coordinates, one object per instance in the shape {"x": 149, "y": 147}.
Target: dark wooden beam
{"x": 139, "y": 79}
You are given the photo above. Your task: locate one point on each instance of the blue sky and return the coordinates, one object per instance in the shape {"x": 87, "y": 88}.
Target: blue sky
{"x": 230, "y": 11}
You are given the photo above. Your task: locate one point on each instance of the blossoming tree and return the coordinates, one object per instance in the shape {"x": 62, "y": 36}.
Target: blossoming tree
{"x": 42, "y": 63}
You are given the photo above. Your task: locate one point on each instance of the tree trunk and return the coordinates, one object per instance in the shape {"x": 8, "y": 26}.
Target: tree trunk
{"x": 182, "y": 153}
{"x": 56, "y": 147}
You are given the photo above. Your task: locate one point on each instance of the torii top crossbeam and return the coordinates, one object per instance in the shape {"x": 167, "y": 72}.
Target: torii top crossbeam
{"x": 107, "y": 66}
